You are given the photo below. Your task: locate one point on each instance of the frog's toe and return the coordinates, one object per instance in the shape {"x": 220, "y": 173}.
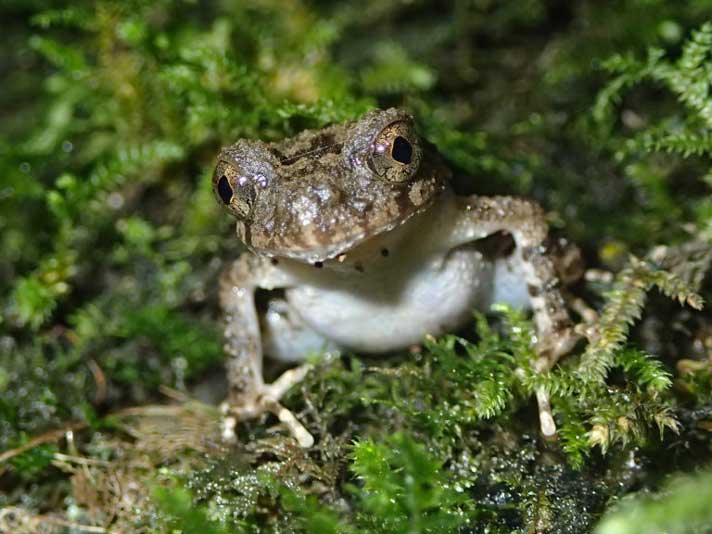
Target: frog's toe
{"x": 553, "y": 346}
{"x": 228, "y": 424}
{"x": 255, "y": 406}
{"x": 265, "y": 398}
{"x": 287, "y": 418}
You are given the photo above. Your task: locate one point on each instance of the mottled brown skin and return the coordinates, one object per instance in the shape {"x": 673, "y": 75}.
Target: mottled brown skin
{"x": 315, "y": 195}
{"x": 357, "y": 223}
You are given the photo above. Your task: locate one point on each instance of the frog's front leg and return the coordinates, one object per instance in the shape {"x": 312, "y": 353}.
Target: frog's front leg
{"x": 479, "y": 217}
{"x": 249, "y": 396}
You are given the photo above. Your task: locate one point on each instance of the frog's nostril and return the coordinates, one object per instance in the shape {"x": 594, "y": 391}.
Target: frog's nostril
{"x": 402, "y": 151}
{"x": 224, "y": 190}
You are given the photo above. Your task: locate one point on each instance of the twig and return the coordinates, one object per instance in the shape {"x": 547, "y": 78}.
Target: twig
{"x": 99, "y": 381}
{"x": 57, "y": 434}
{"x": 47, "y": 437}
{"x": 36, "y": 519}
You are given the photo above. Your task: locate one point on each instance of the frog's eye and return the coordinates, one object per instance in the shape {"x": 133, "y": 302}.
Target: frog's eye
{"x": 396, "y": 153}
{"x": 237, "y": 192}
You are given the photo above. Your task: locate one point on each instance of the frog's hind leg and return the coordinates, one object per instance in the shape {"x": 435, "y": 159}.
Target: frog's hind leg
{"x": 249, "y": 396}
{"x": 524, "y": 220}
{"x": 511, "y": 288}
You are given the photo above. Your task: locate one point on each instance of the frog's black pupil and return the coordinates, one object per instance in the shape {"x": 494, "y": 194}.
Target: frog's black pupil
{"x": 224, "y": 190}
{"x": 402, "y": 151}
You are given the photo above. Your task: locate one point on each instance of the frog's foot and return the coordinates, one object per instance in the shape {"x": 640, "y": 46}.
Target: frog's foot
{"x": 550, "y": 350}
{"x": 555, "y": 345}
{"x": 587, "y": 314}
{"x": 265, "y": 398}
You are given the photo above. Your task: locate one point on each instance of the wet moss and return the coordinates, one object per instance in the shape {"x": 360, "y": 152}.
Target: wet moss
{"x": 110, "y": 116}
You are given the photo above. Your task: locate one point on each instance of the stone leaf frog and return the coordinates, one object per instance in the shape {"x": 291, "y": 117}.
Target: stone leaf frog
{"x": 362, "y": 244}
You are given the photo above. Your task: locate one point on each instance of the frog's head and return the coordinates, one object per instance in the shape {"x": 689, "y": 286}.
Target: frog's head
{"x": 318, "y": 194}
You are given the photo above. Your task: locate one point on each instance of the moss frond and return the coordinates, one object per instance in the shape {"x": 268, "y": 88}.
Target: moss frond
{"x": 624, "y": 305}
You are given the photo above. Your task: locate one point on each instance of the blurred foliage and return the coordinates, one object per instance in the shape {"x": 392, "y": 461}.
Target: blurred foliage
{"x": 681, "y": 507}
{"x": 110, "y": 116}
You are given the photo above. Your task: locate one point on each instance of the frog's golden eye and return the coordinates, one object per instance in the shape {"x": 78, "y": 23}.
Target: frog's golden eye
{"x": 237, "y": 192}
{"x": 396, "y": 153}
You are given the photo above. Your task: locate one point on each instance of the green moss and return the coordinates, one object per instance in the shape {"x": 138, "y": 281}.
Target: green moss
{"x": 181, "y": 515}
{"x": 112, "y": 245}
{"x": 682, "y": 506}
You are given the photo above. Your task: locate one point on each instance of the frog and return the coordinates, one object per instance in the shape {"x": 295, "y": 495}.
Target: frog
{"x": 356, "y": 236}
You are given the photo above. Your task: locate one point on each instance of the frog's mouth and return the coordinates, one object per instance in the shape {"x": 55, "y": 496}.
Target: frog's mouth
{"x": 342, "y": 248}
{"x": 326, "y": 240}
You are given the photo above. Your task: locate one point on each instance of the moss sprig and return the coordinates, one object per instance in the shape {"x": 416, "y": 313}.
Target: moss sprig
{"x": 624, "y": 305}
